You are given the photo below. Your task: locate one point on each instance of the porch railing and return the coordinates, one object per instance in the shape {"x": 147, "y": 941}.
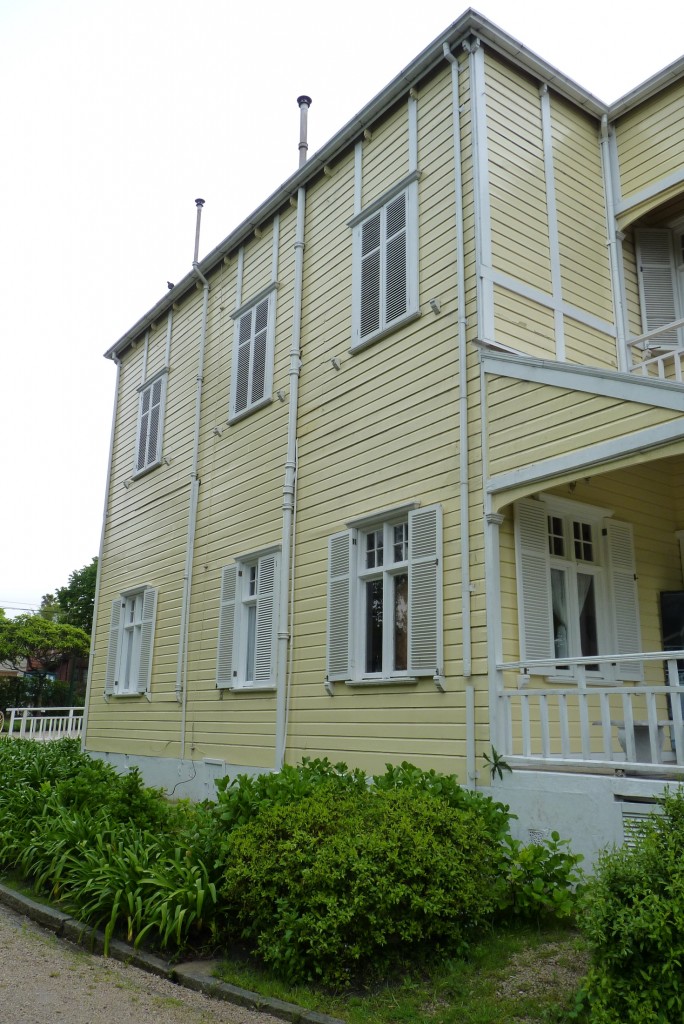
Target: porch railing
{"x": 593, "y": 724}
{"x": 45, "y": 723}
{"x": 649, "y": 359}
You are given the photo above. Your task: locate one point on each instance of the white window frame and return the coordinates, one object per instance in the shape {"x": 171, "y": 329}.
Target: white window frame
{"x": 348, "y": 574}
{"x": 245, "y": 318}
{"x": 613, "y": 635}
{"x": 408, "y": 188}
{"x": 249, "y": 606}
{"x": 144, "y": 465}
{"x": 131, "y": 643}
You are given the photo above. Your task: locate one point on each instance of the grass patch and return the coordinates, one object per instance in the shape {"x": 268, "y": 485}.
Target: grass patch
{"x": 519, "y": 975}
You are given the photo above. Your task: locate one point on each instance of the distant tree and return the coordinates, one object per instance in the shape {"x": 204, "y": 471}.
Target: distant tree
{"x": 41, "y": 645}
{"x": 77, "y": 600}
{"x": 50, "y": 608}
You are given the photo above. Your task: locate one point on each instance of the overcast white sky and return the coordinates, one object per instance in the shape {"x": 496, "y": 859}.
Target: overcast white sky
{"x": 116, "y": 115}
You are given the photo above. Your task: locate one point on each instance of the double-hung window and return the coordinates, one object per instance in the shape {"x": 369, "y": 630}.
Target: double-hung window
{"x": 385, "y": 599}
{"x": 131, "y": 641}
{"x": 248, "y": 623}
{"x": 385, "y": 264}
{"x": 252, "y": 376}
{"x": 148, "y": 447}
{"x": 577, "y": 594}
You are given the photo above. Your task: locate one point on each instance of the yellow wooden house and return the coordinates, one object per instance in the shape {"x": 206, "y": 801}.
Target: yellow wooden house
{"x": 397, "y": 470}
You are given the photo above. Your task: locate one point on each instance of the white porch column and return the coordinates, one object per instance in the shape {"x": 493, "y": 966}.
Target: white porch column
{"x": 493, "y": 521}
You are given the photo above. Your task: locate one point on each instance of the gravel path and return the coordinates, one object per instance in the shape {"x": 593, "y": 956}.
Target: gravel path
{"x": 44, "y": 980}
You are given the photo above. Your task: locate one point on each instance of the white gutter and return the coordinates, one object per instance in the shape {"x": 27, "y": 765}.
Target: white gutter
{"x": 463, "y": 374}
{"x": 182, "y": 668}
{"x": 619, "y": 302}
{"x": 96, "y": 600}
{"x": 289, "y": 489}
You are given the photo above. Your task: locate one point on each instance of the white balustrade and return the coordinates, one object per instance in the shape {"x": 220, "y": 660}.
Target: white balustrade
{"x": 45, "y": 724}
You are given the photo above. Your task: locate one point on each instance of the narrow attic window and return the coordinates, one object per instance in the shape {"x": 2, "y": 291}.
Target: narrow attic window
{"x": 148, "y": 444}
{"x": 252, "y": 374}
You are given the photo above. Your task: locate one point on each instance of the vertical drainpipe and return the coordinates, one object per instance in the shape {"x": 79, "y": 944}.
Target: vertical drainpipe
{"x": 304, "y": 104}
{"x": 618, "y": 296}
{"x": 182, "y": 665}
{"x": 99, "y": 557}
{"x": 289, "y": 487}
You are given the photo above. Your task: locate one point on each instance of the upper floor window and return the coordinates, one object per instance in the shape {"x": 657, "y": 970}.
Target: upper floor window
{"x": 660, "y": 267}
{"x": 248, "y": 623}
{"x": 385, "y": 264}
{"x": 384, "y": 599}
{"x": 252, "y": 376}
{"x": 131, "y": 639}
{"x": 150, "y": 423}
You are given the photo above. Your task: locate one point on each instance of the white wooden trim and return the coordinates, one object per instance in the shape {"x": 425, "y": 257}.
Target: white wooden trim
{"x": 239, "y": 276}
{"x": 275, "y": 249}
{"x": 594, "y": 456}
{"x": 650, "y": 192}
{"x": 412, "y": 117}
{"x": 391, "y": 193}
{"x": 528, "y": 291}
{"x": 253, "y": 300}
{"x": 614, "y": 159}
{"x": 623, "y": 358}
{"x": 358, "y": 177}
{"x": 483, "y": 226}
{"x": 625, "y": 386}
{"x": 552, "y": 215}
{"x": 146, "y": 345}
{"x": 385, "y": 515}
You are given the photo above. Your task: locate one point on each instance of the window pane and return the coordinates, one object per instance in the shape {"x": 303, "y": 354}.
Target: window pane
{"x": 374, "y": 549}
{"x": 560, "y": 614}
{"x": 556, "y": 541}
{"x": 251, "y": 643}
{"x": 374, "y": 626}
{"x": 584, "y": 546}
{"x": 252, "y": 588}
{"x": 586, "y": 596}
{"x": 401, "y": 542}
{"x": 401, "y": 622}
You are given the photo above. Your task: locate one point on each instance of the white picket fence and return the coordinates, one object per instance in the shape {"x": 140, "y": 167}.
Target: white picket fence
{"x": 45, "y": 724}
{"x": 593, "y": 725}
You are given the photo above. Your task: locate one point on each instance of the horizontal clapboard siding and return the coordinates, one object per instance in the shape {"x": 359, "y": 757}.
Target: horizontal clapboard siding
{"x": 650, "y": 141}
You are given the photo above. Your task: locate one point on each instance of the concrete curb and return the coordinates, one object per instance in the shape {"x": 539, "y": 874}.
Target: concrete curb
{"x": 195, "y": 974}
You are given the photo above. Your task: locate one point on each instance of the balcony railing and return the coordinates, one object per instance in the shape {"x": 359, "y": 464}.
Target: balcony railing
{"x": 594, "y": 725}
{"x": 45, "y": 723}
{"x": 656, "y": 354}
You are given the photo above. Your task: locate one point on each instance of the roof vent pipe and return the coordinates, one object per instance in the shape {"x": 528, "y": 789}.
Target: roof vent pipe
{"x": 304, "y": 104}
{"x": 199, "y": 203}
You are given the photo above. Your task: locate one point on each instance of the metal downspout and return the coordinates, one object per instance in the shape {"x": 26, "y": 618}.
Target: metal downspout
{"x": 623, "y": 357}
{"x": 289, "y": 489}
{"x": 99, "y": 557}
{"x": 182, "y": 667}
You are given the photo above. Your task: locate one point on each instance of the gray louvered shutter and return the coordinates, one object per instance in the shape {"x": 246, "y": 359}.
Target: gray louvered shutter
{"x": 657, "y": 283}
{"x": 143, "y": 430}
{"x": 340, "y": 568}
{"x": 369, "y": 309}
{"x": 624, "y": 597}
{"x": 534, "y": 581}
{"x": 224, "y": 657}
{"x": 113, "y": 649}
{"x": 153, "y": 445}
{"x": 259, "y": 348}
{"x": 242, "y": 362}
{"x": 425, "y": 591}
{"x": 264, "y": 657}
{"x": 149, "y": 613}
{"x": 396, "y": 267}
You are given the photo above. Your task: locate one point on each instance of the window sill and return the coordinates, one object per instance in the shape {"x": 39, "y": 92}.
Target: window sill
{"x": 236, "y": 417}
{"x": 357, "y": 346}
{"x": 383, "y": 681}
{"x": 252, "y": 688}
{"x": 148, "y": 469}
{"x": 125, "y": 694}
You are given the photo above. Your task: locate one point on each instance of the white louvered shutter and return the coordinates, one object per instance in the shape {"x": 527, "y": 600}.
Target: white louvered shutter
{"x": 224, "y": 657}
{"x": 153, "y": 445}
{"x": 369, "y": 312}
{"x": 534, "y": 581}
{"x": 143, "y": 430}
{"x": 264, "y": 657}
{"x": 243, "y": 357}
{"x": 260, "y": 348}
{"x": 624, "y": 597}
{"x": 425, "y": 591}
{"x": 149, "y": 614}
{"x": 396, "y": 266}
{"x": 340, "y": 568}
{"x": 657, "y": 284}
{"x": 113, "y": 649}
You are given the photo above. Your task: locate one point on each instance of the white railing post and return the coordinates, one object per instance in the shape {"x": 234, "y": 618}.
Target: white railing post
{"x": 22, "y": 724}
{"x": 676, "y": 734}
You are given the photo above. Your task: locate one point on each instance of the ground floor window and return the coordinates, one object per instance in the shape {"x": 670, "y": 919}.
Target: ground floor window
{"x": 248, "y": 623}
{"x": 131, "y": 639}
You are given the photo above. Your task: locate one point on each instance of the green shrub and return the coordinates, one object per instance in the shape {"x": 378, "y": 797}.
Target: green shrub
{"x": 539, "y": 880}
{"x": 342, "y": 883}
{"x": 632, "y": 913}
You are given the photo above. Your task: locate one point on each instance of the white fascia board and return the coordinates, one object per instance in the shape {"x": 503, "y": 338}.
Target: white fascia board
{"x": 432, "y": 56}
{"x": 609, "y": 383}
{"x": 655, "y": 84}
{"x": 596, "y": 456}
